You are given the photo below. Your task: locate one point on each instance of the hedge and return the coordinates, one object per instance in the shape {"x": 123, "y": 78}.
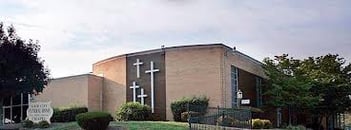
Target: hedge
{"x": 67, "y": 114}
{"x": 261, "y": 124}
{"x": 94, "y": 120}
{"x": 30, "y": 124}
{"x": 133, "y": 111}
{"x": 196, "y": 104}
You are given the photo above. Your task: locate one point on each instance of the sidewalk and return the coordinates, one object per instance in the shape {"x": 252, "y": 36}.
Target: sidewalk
{"x": 18, "y": 126}
{"x": 10, "y": 126}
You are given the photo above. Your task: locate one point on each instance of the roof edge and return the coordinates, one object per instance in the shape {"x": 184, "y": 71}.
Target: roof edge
{"x": 177, "y": 47}
{"x": 72, "y": 76}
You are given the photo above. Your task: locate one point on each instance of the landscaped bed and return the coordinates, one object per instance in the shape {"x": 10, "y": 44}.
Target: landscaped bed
{"x": 123, "y": 125}
{"x": 152, "y": 125}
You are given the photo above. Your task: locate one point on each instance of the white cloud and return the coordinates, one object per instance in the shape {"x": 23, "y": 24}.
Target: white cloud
{"x": 90, "y": 30}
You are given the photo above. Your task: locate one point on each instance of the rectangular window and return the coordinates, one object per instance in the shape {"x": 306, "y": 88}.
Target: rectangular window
{"x": 14, "y": 108}
{"x": 234, "y": 85}
{"x": 258, "y": 91}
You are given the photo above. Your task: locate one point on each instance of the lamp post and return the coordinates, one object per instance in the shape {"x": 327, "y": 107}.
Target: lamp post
{"x": 239, "y": 97}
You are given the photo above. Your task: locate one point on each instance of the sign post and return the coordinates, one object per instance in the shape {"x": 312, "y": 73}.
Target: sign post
{"x": 39, "y": 111}
{"x": 239, "y": 97}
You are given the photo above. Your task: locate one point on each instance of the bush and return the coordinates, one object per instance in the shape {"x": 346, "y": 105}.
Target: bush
{"x": 27, "y": 124}
{"x": 257, "y": 124}
{"x": 196, "y": 104}
{"x": 67, "y": 114}
{"x": 226, "y": 121}
{"x": 267, "y": 124}
{"x": 30, "y": 124}
{"x": 186, "y": 115}
{"x": 261, "y": 124}
{"x": 94, "y": 120}
{"x": 43, "y": 124}
{"x": 133, "y": 111}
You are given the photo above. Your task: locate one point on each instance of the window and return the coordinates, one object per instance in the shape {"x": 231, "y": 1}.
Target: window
{"x": 258, "y": 91}
{"x": 234, "y": 85}
{"x": 14, "y": 108}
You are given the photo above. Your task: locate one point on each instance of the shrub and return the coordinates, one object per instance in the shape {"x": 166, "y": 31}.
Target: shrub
{"x": 43, "y": 124}
{"x": 27, "y": 124}
{"x": 261, "y": 124}
{"x": 257, "y": 124}
{"x": 133, "y": 111}
{"x": 67, "y": 114}
{"x": 196, "y": 104}
{"x": 267, "y": 124}
{"x": 225, "y": 121}
{"x": 186, "y": 115}
{"x": 30, "y": 124}
{"x": 94, "y": 120}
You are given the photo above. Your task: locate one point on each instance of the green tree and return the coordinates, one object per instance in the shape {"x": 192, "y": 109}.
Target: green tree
{"x": 321, "y": 85}
{"x": 21, "y": 70}
{"x": 331, "y": 79}
{"x": 288, "y": 87}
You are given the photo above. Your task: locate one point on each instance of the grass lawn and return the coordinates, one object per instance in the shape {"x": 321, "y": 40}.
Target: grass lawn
{"x": 151, "y": 125}
{"x": 130, "y": 125}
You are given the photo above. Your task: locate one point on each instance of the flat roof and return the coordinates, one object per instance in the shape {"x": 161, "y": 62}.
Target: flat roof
{"x": 72, "y": 76}
{"x": 178, "y": 47}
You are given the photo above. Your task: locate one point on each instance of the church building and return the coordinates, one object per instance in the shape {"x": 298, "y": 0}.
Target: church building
{"x": 160, "y": 76}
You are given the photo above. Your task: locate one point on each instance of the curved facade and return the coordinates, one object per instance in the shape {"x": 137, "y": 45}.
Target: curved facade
{"x": 161, "y": 76}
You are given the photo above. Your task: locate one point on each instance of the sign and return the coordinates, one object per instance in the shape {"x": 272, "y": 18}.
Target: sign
{"x": 245, "y": 101}
{"x": 39, "y": 111}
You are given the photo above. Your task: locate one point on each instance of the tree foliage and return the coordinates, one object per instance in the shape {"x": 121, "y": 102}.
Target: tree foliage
{"x": 21, "y": 70}
{"x": 321, "y": 85}
{"x": 288, "y": 85}
{"x": 332, "y": 81}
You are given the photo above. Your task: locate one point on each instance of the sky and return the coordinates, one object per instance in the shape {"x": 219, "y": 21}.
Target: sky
{"x": 74, "y": 34}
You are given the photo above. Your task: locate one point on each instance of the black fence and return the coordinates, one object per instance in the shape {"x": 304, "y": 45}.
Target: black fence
{"x": 219, "y": 118}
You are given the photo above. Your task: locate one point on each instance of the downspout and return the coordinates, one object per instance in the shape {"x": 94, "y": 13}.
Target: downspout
{"x": 222, "y": 104}
{"x": 102, "y": 92}
{"x": 224, "y": 78}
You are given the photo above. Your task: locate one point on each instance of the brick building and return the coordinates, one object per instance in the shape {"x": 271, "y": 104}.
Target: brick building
{"x": 161, "y": 76}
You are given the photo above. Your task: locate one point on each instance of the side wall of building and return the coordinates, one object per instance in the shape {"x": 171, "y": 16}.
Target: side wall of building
{"x": 248, "y": 69}
{"x": 193, "y": 72}
{"x": 56, "y": 91}
{"x": 95, "y": 93}
{"x": 114, "y": 91}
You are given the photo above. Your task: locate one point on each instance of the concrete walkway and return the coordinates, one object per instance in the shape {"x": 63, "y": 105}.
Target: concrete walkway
{"x": 18, "y": 126}
{"x": 10, "y": 126}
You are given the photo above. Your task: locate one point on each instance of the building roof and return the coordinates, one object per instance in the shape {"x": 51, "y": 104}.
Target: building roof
{"x": 180, "y": 47}
{"x": 73, "y": 76}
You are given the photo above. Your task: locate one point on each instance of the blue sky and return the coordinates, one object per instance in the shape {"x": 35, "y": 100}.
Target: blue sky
{"x": 74, "y": 34}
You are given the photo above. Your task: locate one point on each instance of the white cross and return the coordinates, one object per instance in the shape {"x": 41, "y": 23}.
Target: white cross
{"x": 142, "y": 96}
{"x": 134, "y": 87}
{"x": 152, "y": 71}
{"x": 137, "y": 64}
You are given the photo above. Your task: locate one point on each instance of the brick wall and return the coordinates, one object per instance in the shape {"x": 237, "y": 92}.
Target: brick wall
{"x": 114, "y": 91}
{"x": 193, "y": 72}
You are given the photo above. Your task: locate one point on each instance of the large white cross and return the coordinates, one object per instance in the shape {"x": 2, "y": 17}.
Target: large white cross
{"x": 142, "y": 96}
{"x": 152, "y": 71}
{"x": 137, "y": 64}
{"x": 134, "y": 87}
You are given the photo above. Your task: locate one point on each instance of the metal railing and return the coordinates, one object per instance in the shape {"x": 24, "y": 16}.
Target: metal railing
{"x": 223, "y": 118}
